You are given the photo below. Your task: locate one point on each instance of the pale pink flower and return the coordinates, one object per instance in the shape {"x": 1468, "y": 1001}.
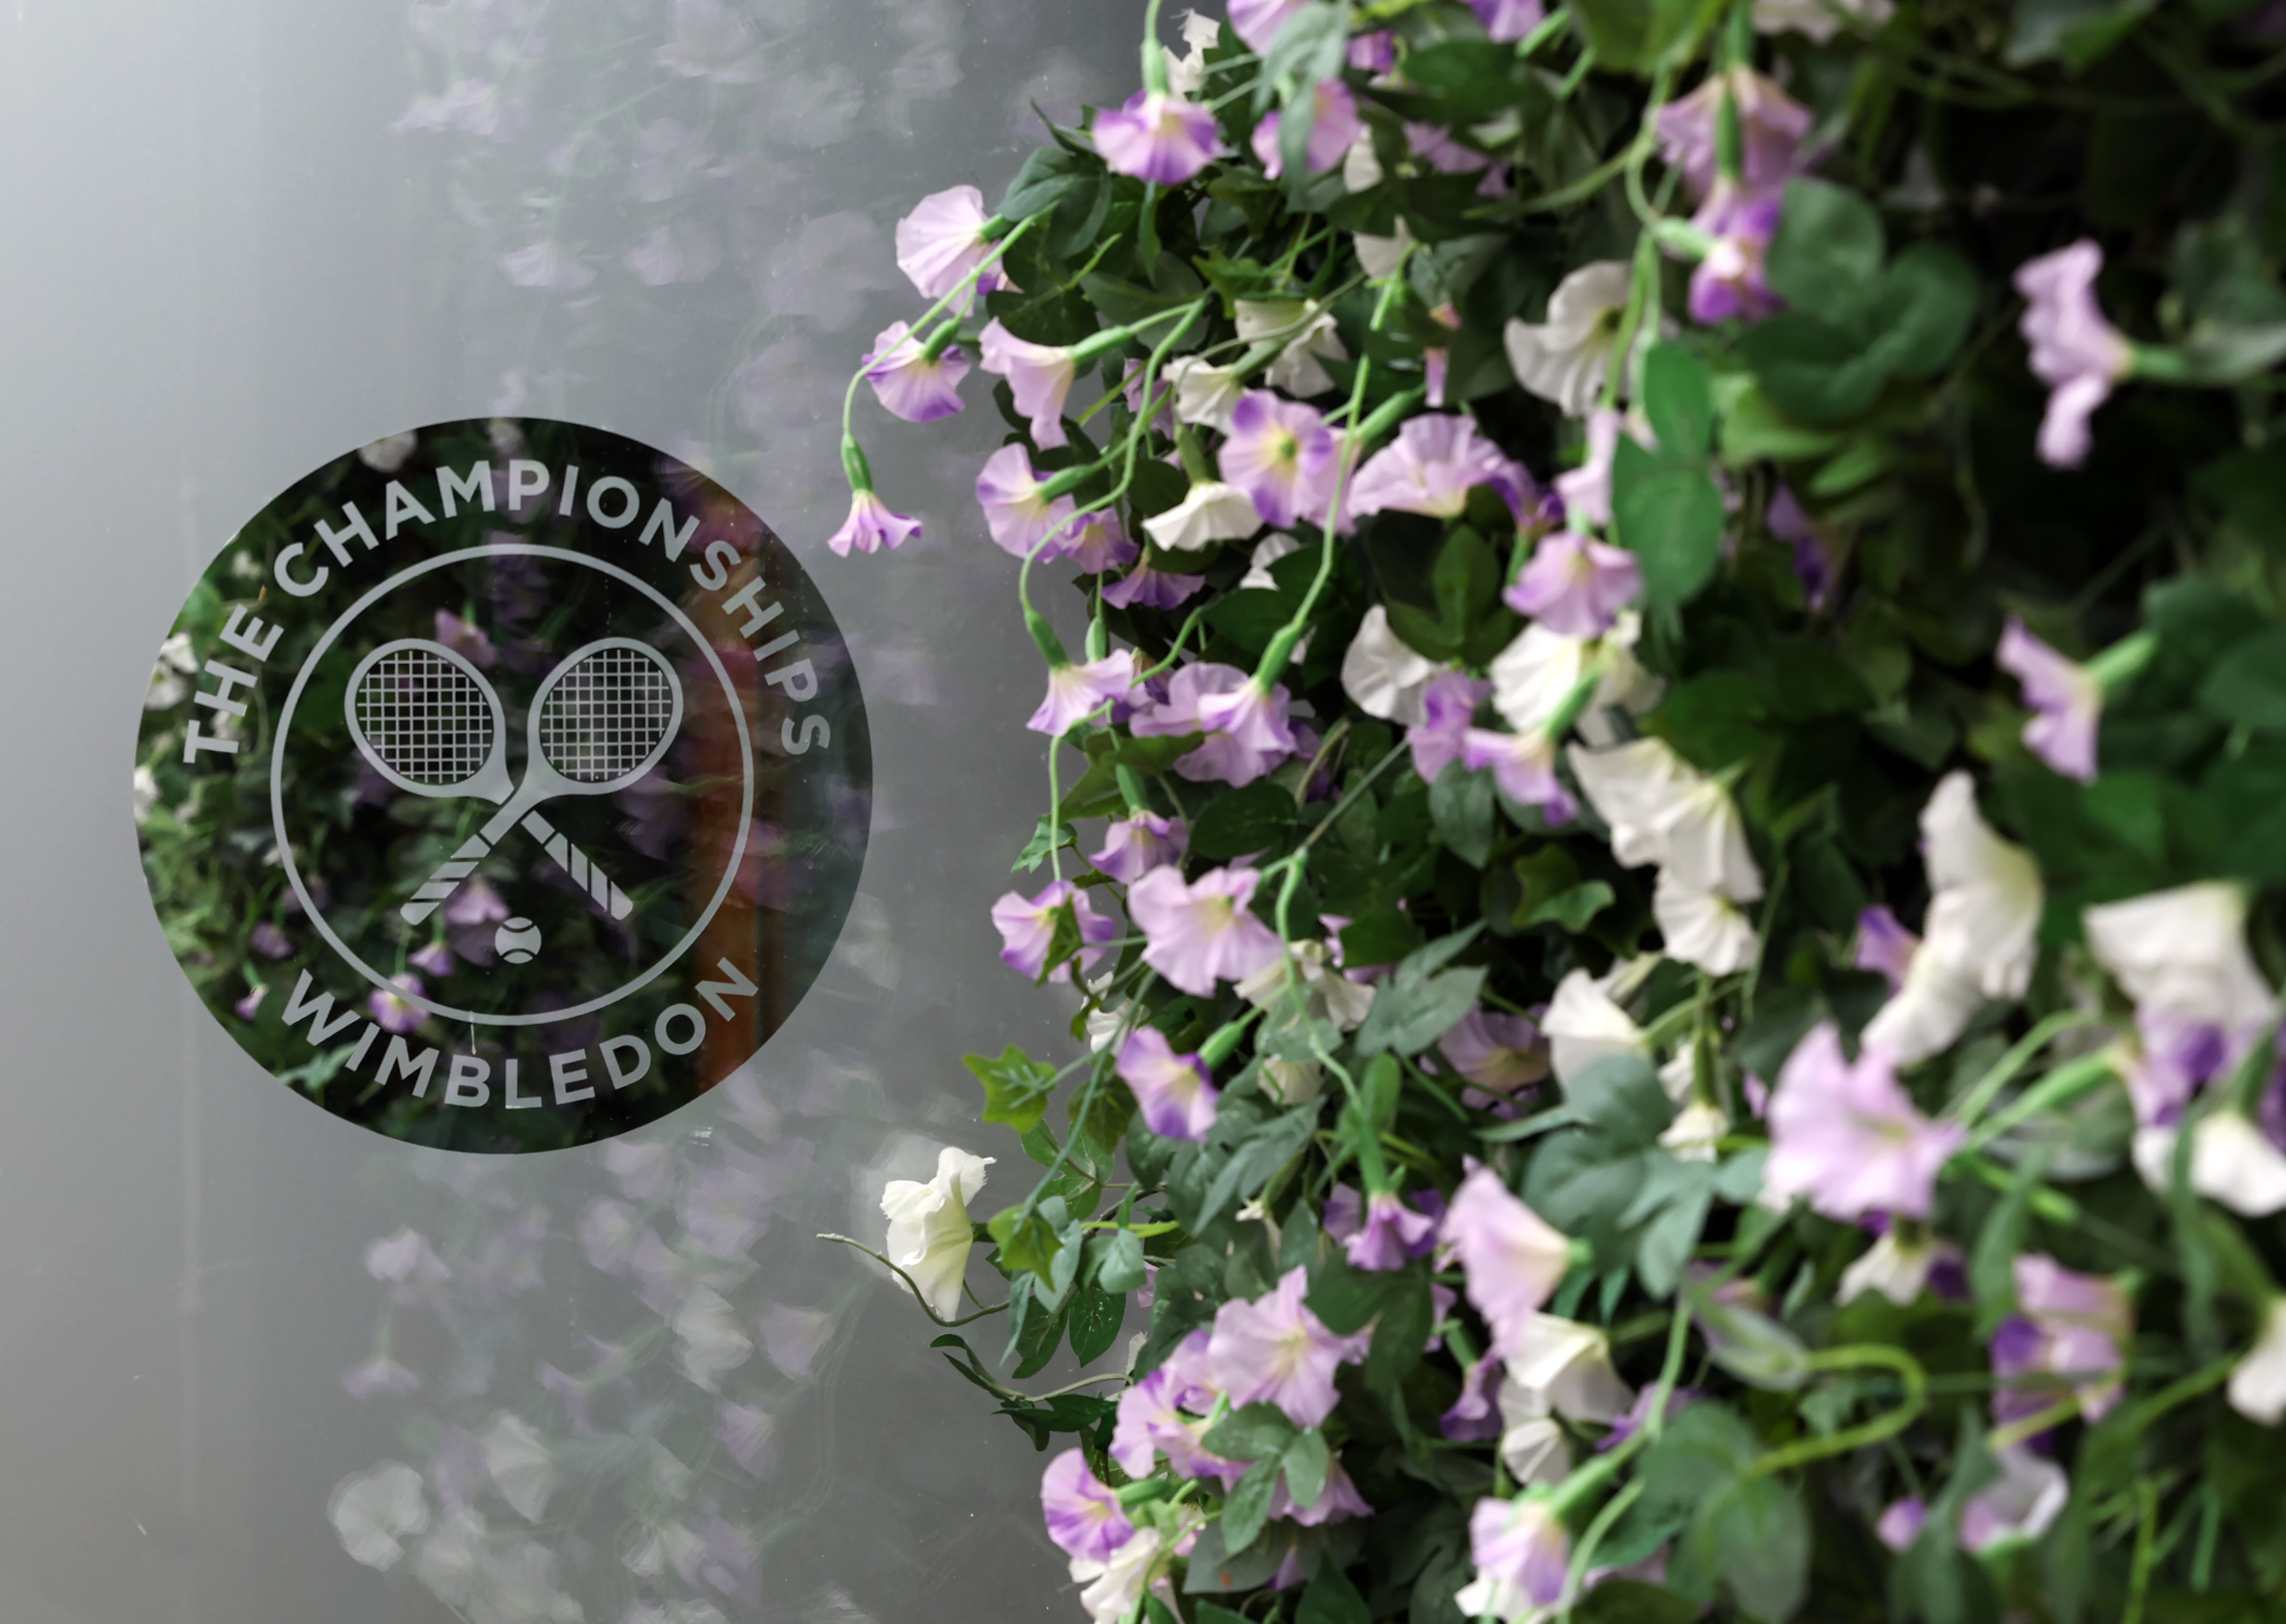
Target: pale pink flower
{"x": 871, "y": 527}
{"x": 1436, "y": 460}
{"x": 909, "y": 384}
{"x": 1281, "y": 454}
{"x": 1449, "y": 705}
{"x": 941, "y": 240}
{"x": 392, "y": 1006}
{"x": 1275, "y": 1351}
{"x": 1512, "y": 1258}
{"x": 1248, "y": 734}
{"x": 1501, "y": 1054}
{"x": 1575, "y": 584}
{"x": 1039, "y": 376}
{"x": 1392, "y": 1235}
{"x": 1885, "y": 945}
{"x": 1506, "y": 20}
{"x": 1850, "y": 1137}
{"x": 1772, "y": 123}
{"x": 1158, "y": 137}
{"x": 1018, "y": 516}
{"x": 1028, "y": 928}
{"x": 1083, "y": 1516}
{"x": 2065, "y": 698}
{"x": 2070, "y": 1331}
{"x": 1202, "y": 932}
{"x": 2076, "y": 353}
{"x": 1524, "y": 765}
{"x": 1257, "y": 21}
{"x": 1587, "y": 489}
{"x": 1334, "y": 126}
{"x": 1141, "y": 841}
{"x": 1729, "y": 283}
{"x": 1098, "y": 543}
{"x": 1151, "y": 588}
{"x": 1172, "y": 1092}
{"x": 1522, "y": 1556}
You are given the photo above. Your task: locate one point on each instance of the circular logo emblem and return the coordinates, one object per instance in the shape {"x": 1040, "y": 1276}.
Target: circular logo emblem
{"x": 503, "y": 785}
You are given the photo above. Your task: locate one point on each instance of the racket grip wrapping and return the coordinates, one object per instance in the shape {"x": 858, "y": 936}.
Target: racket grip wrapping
{"x": 445, "y": 880}
{"x": 586, "y": 873}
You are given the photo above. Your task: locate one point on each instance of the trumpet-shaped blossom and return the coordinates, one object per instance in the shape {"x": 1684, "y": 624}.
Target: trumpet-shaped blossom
{"x": 1257, "y": 21}
{"x": 1098, "y": 543}
{"x": 1083, "y": 1516}
{"x": 1201, "y": 932}
{"x": 1435, "y": 461}
{"x": 2181, "y": 955}
{"x": 1148, "y": 588}
{"x": 1039, "y": 376}
{"x": 1523, "y": 766}
{"x": 1586, "y": 491}
{"x": 2257, "y": 1382}
{"x": 1703, "y": 928}
{"x": 1512, "y": 1258}
{"x": 1522, "y": 1556}
{"x": 1565, "y": 359}
{"x": 1114, "y": 1587}
{"x": 1273, "y": 1349}
{"x": 1771, "y": 124}
{"x": 1392, "y": 1235}
{"x": 1729, "y": 283}
{"x": 1186, "y": 74}
{"x": 1248, "y": 734}
{"x": 1282, "y": 454}
{"x": 1172, "y": 1092}
{"x": 1815, "y": 561}
{"x": 1896, "y": 1268}
{"x": 942, "y": 240}
{"x": 1337, "y": 1500}
{"x": 1472, "y": 1419}
{"x": 2064, "y": 697}
{"x": 1850, "y": 1137}
{"x": 392, "y": 1006}
{"x": 1884, "y": 945}
{"x": 1210, "y": 511}
{"x": 1205, "y": 393}
{"x": 1334, "y": 126}
{"x": 1150, "y": 1418}
{"x": 908, "y": 381}
{"x": 929, "y": 1231}
{"x": 1028, "y": 928}
{"x": 1661, "y": 809}
{"x": 1157, "y": 137}
{"x": 2076, "y": 353}
{"x": 2031, "y": 1494}
{"x": 1384, "y": 674}
{"x": 1448, "y": 706}
{"x": 1508, "y": 21}
{"x": 1018, "y": 516}
{"x": 871, "y": 527}
{"x": 1141, "y": 841}
{"x": 1075, "y": 692}
{"x": 1575, "y": 585}
{"x": 2233, "y": 1162}
{"x": 2068, "y": 1332}
{"x": 1307, "y": 328}
{"x": 1564, "y": 1367}
{"x": 1501, "y": 1054}
{"x": 1583, "y": 1025}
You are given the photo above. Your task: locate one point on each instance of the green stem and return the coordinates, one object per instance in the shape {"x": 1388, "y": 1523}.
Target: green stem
{"x": 2059, "y": 1088}
{"x": 1981, "y": 1094}
{"x": 916, "y": 1291}
{"x": 1879, "y": 1429}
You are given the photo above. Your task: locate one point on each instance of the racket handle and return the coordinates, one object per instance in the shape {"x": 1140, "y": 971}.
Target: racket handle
{"x": 585, "y": 872}
{"x": 446, "y": 880}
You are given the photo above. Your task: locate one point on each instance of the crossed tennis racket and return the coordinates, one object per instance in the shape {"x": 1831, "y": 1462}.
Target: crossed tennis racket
{"x": 430, "y": 724}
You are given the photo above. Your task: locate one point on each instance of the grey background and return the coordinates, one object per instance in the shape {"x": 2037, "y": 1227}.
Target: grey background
{"x": 225, "y": 267}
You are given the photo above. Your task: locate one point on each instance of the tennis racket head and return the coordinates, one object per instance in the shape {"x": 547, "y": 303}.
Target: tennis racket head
{"x": 605, "y": 717}
{"x": 428, "y": 721}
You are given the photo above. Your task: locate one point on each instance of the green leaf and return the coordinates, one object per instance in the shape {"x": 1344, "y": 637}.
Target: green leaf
{"x": 1027, "y": 1241}
{"x": 1331, "y": 1598}
{"x": 1814, "y": 372}
{"x": 1826, "y": 257}
{"x": 1016, "y": 1087}
{"x": 1629, "y": 35}
{"x": 1047, "y": 836}
{"x": 2247, "y": 687}
{"x": 1460, "y": 805}
{"x": 1679, "y": 398}
{"x": 2250, "y": 487}
{"x": 2078, "y": 31}
{"x": 1308, "y": 1459}
{"x": 1754, "y": 1532}
{"x": 1248, "y": 1508}
{"x": 1402, "y": 1327}
{"x": 1407, "y": 1017}
{"x": 1380, "y": 937}
{"x": 1670, "y": 518}
{"x": 1049, "y": 173}
{"x": 1256, "y": 1432}
{"x": 1620, "y": 1095}
{"x": 1214, "y": 1569}
{"x": 1252, "y": 819}
{"x": 1122, "y": 1269}
{"x": 1571, "y": 908}
{"x": 1628, "y": 1601}
{"x": 1704, "y": 1446}
{"x": 1752, "y": 1346}
{"x": 1928, "y": 302}
{"x": 1095, "y": 1316}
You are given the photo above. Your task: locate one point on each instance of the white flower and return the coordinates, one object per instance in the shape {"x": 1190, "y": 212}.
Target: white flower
{"x": 712, "y": 1343}
{"x": 2029, "y": 1497}
{"x": 1292, "y": 1081}
{"x": 1819, "y": 19}
{"x": 372, "y": 1512}
{"x": 1361, "y": 165}
{"x": 1210, "y": 512}
{"x": 1928, "y": 1011}
{"x": 1625, "y": 685}
{"x": 1327, "y": 994}
{"x": 1696, "y": 1131}
{"x": 1678, "y": 1075}
{"x": 1204, "y": 394}
{"x": 1266, "y": 552}
{"x": 1582, "y": 1025}
{"x": 2257, "y": 1386}
{"x": 521, "y": 1467}
{"x": 1113, "y": 1588}
{"x": 1296, "y": 370}
{"x": 388, "y": 454}
{"x": 1384, "y": 675}
{"x": 1379, "y": 257}
{"x": 1661, "y": 809}
{"x": 2232, "y": 1164}
{"x": 1186, "y": 74}
{"x": 1102, "y": 1026}
{"x": 1896, "y": 1270}
{"x": 1534, "y": 1450}
{"x": 1564, "y": 359}
{"x": 929, "y": 1232}
{"x": 1561, "y": 1366}
{"x": 176, "y": 662}
{"x": 147, "y": 795}
{"x": 1985, "y": 893}
{"x": 1703, "y": 928}
{"x": 1533, "y": 675}
{"x": 2182, "y": 953}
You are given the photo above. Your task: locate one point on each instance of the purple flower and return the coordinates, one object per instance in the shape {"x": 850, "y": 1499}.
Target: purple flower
{"x": 1139, "y": 842}
{"x": 1449, "y": 704}
{"x": 1197, "y": 934}
{"x": 1281, "y": 454}
{"x": 1039, "y": 376}
{"x": 1172, "y": 1090}
{"x": 245, "y": 1007}
{"x": 2031, "y": 1494}
{"x": 1512, "y": 1258}
{"x": 2065, "y": 698}
{"x": 1850, "y": 1137}
{"x": 1150, "y": 1418}
{"x": 1499, "y": 1053}
{"x": 1575, "y": 585}
{"x": 1098, "y": 543}
{"x": 1018, "y": 516}
{"x": 468, "y": 640}
{"x": 2068, "y": 1332}
{"x": 1151, "y": 588}
{"x": 1729, "y": 284}
{"x": 1885, "y": 945}
{"x": 908, "y": 382}
{"x": 1524, "y": 765}
{"x": 1627, "y": 1424}
{"x": 1248, "y": 734}
{"x": 1814, "y": 563}
{"x": 1772, "y": 123}
{"x": 1434, "y": 463}
{"x": 1508, "y": 21}
{"x": 1900, "y": 1525}
{"x": 267, "y": 940}
{"x": 1028, "y": 928}
{"x": 1473, "y": 1417}
{"x": 870, "y": 526}
{"x": 1275, "y": 1351}
{"x": 1078, "y": 691}
{"x": 2179, "y": 1057}
{"x": 1257, "y": 21}
{"x": 1393, "y": 1235}
{"x": 1335, "y": 125}
{"x": 1083, "y": 1516}
{"x": 393, "y": 1010}
{"x": 2076, "y": 353}
{"x": 1337, "y": 1501}
{"x": 435, "y": 959}
{"x": 1522, "y": 1554}
{"x": 1374, "y": 52}
{"x": 1157, "y": 137}
{"x": 941, "y": 240}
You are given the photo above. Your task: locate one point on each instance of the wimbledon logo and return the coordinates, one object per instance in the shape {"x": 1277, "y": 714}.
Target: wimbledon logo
{"x": 504, "y": 785}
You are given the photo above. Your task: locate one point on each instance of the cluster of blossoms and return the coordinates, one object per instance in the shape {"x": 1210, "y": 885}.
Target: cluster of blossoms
{"x": 1675, "y": 927}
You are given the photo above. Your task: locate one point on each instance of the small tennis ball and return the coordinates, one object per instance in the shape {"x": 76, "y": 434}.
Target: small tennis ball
{"x": 518, "y": 942}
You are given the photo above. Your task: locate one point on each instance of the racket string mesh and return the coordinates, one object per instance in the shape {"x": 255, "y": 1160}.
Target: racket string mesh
{"x": 608, "y": 715}
{"x": 425, "y": 718}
